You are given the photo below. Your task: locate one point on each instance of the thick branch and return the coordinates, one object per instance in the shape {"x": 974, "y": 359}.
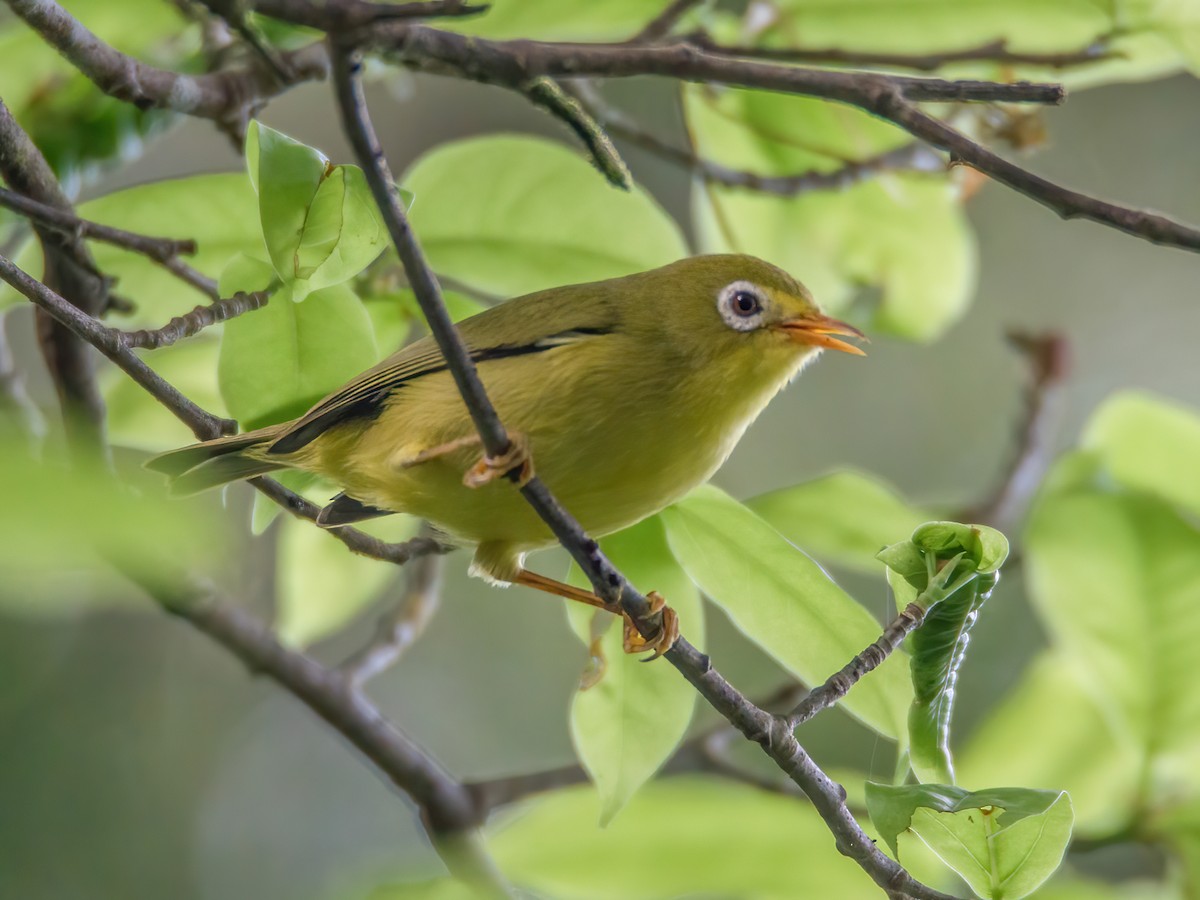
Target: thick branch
{"x": 768, "y": 730}
{"x": 227, "y": 97}
{"x": 164, "y": 251}
{"x": 446, "y": 804}
{"x": 197, "y": 320}
{"x": 513, "y": 63}
{"x": 69, "y": 269}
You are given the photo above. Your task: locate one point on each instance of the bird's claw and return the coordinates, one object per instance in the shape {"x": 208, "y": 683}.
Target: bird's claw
{"x": 668, "y": 634}
{"x": 515, "y": 459}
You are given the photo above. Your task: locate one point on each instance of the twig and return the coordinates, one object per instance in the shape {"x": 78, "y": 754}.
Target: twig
{"x": 838, "y": 685}
{"x": 550, "y": 96}
{"x": 198, "y": 319}
{"x": 70, "y": 269}
{"x": 771, "y": 732}
{"x": 111, "y": 343}
{"x": 993, "y": 52}
{"x": 914, "y": 157}
{"x": 229, "y": 98}
{"x": 164, "y": 251}
{"x": 1047, "y": 359}
{"x": 662, "y": 24}
{"x": 400, "y": 627}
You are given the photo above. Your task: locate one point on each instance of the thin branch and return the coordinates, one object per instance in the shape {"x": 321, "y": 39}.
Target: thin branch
{"x": 770, "y": 731}
{"x": 1047, "y": 360}
{"x": 992, "y": 52}
{"x": 550, "y": 96}
{"x": 662, "y": 24}
{"x": 164, "y": 251}
{"x": 197, "y": 320}
{"x": 839, "y": 684}
{"x": 914, "y": 157}
{"x": 400, "y": 627}
{"x": 111, "y": 343}
{"x": 346, "y": 15}
{"x": 229, "y": 97}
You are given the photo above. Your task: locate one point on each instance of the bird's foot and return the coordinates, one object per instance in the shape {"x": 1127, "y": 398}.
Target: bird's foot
{"x": 516, "y": 459}
{"x": 668, "y": 634}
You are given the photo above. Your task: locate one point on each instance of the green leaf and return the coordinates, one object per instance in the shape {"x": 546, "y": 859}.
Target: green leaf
{"x": 1148, "y": 443}
{"x": 903, "y": 233}
{"x": 684, "y": 836}
{"x": 322, "y": 585}
{"x": 844, "y": 517}
{"x": 320, "y": 221}
{"x": 1004, "y": 842}
{"x": 948, "y": 569}
{"x": 1050, "y": 732}
{"x": 783, "y": 602}
{"x": 278, "y": 360}
{"x": 509, "y": 215}
{"x": 626, "y": 725}
{"x": 561, "y": 20}
{"x": 1116, "y": 579}
{"x": 218, "y": 211}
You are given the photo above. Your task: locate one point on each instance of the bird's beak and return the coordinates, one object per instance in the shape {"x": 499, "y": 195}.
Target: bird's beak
{"x": 818, "y": 330}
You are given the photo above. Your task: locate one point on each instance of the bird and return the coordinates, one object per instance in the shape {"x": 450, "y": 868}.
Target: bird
{"x": 622, "y": 394}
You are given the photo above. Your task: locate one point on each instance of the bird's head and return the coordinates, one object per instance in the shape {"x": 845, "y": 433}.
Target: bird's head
{"x": 734, "y": 307}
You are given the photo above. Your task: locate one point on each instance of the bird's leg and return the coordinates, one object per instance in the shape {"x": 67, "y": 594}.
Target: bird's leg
{"x": 633, "y": 640}
{"x": 489, "y": 468}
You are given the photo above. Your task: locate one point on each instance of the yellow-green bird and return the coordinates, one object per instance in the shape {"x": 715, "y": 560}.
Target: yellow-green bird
{"x": 626, "y": 394}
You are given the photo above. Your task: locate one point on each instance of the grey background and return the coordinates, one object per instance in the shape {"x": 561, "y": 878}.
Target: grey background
{"x": 138, "y": 761}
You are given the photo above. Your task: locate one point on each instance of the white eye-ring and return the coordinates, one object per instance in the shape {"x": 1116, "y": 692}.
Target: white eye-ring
{"x": 742, "y": 305}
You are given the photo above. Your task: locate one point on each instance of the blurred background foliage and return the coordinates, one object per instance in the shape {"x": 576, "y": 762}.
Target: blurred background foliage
{"x": 140, "y": 761}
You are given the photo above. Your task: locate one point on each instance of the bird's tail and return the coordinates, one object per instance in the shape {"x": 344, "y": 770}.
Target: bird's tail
{"x": 199, "y": 467}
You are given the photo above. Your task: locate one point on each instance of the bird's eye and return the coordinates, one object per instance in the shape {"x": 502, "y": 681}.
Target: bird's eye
{"x": 741, "y": 305}
{"x": 745, "y": 303}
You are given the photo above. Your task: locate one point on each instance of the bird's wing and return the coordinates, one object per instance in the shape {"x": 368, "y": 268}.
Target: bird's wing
{"x": 531, "y": 324}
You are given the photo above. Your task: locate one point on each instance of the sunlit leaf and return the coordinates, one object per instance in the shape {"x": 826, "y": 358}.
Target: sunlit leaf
{"x": 844, "y": 517}
{"x": 1004, "y": 842}
{"x": 903, "y": 233}
{"x": 1149, "y": 443}
{"x": 783, "y": 602}
{"x": 278, "y": 360}
{"x": 508, "y": 215}
{"x": 678, "y": 837}
{"x": 1116, "y": 579}
{"x": 627, "y": 724}
{"x": 1049, "y": 732}
{"x": 322, "y": 585}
